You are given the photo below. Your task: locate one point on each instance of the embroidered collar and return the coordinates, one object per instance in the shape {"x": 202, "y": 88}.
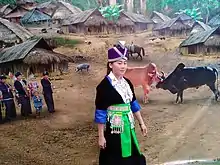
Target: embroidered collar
{"x": 114, "y": 79}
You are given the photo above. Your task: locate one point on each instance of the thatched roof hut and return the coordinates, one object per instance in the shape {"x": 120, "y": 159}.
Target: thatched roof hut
{"x": 124, "y": 22}
{"x": 204, "y": 42}
{"x": 12, "y": 32}
{"x": 215, "y": 21}
{"x": 58, "y": 10}
{"x": 87, "y": 21}
{"x": 35, "y": 17}
{"x": 199, "y": 26}
{"x": 16, "y": 14}
{"x": 26, "y": 4}
{"x": 95, "y": 20}
{"x": 34, "y": 54}
{"x": 158, "y": 17}
{"x": 64, "y": 10}
{"x": 174, "y": 27}
{"x": 4, "y": 10}
{"x": 141, "y": 22}
{"x": 186, "y": 19}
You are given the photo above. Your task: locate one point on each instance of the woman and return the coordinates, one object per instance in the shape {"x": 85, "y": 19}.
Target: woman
{"x": 7, "y": 99}
{"x": 115, "y": 105}
{"x": 48, "y": 92}
{"x": 23, "y": 95}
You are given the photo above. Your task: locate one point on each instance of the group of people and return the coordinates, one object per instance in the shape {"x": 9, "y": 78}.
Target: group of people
{"x": 116, "y": 106}
{"x": 24, "y": 93}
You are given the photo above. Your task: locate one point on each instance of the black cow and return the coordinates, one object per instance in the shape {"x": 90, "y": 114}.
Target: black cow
{"x": 190, "y": 77}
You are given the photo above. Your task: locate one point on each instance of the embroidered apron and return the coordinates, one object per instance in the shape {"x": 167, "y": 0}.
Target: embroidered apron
{"x": 122, "y": 122}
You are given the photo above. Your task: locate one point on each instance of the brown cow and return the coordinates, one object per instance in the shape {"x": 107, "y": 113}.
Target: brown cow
{"x": 144, "y": 76}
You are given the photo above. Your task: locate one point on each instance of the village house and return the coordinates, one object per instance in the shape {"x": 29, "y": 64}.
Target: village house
{"x": 141, "y": 22}
{"x": 199, "y": 26}
{"x": 35, "y": 18}
{"x": 88, "y": 22}
{"x": 158, "y": 18}
{"x": 187, "y": 20}
{"x": 16, "y": 14}
{"x": 204, "y": 42}
{"x": 32, "y": 56}
{"x": 11, "y": 33}
{"x": 26, "y": 4}
{"x": 174, "y": 27}
{"x": 215, "y": 21}
{"x": 4, "y": 10}
{"x": 123, "y": 25}
{"x": 58, "y": 10}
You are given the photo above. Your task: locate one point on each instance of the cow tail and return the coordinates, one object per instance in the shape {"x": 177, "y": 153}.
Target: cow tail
{"x": 143, "y": 51}
{"x": 216, "y": 71}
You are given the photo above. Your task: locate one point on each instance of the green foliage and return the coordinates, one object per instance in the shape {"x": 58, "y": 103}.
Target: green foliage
{"x": 5, "y": 2}
{"x": 111, "y": 12}
{"x": 60, "y": 41}
{"x": 154, "y": 5}
{"x": 85, "y": 4}
{"x": 207, "y": 8}
{"x": 194, "y": 13}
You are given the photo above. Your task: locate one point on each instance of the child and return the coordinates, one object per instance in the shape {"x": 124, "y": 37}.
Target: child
{"x": 32, "y": 85}
{"x": 38, "y": 102}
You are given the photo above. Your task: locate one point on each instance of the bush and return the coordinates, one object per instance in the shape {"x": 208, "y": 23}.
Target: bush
{"x": 60, "y": 41}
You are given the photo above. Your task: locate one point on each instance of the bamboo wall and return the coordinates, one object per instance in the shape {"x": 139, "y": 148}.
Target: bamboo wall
{"x": 35, "y": 69}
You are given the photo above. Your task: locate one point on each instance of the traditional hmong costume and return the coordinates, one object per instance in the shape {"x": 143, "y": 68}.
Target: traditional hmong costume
{"x": 115, "y": 105}
{"x": 7, "y": 100}
{"x": 48, "y": 92}
{"x": 24, "y": 98}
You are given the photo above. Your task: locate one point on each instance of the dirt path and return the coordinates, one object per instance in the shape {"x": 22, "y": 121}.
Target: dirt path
{"x": 184, "y": 137}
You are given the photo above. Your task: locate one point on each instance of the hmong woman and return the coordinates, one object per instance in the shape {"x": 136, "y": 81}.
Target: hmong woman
{"x": 115, "y": 105}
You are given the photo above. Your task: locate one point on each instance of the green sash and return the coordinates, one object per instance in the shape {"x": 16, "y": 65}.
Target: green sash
{"x": 122, "y": 122}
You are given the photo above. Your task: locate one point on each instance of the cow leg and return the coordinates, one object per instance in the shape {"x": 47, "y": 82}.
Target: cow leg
{"x": 132, "y": 56}
{"x": 146, "y": 91}
{"x": 139, "y": 55}
{"x": 214, "y": 90}
{"x": 179, "y": 95}
{"x": 177, "y": 98}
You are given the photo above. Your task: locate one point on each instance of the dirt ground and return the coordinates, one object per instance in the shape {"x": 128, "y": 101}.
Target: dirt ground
{"x": 69, "y": 136}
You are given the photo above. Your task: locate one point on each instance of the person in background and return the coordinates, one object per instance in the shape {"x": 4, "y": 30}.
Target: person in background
{"x": 115, "y": 106}
{"x": 7, "y": 99}
{"x": 38, "y": 102}
{"x": 47, "y": 92}
{"x": 32, "y": 84}
{"x": 23, "y": 94}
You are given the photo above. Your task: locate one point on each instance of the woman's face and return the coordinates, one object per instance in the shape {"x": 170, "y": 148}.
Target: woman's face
{"x": 119, "y": 67}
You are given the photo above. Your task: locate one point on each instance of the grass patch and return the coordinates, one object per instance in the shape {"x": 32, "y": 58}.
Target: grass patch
{"x": 60, "y": 41}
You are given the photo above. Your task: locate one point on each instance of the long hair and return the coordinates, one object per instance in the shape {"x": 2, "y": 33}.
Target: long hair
{"x": 108, "y": 67}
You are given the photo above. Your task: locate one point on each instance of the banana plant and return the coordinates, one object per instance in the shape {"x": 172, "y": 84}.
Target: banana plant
{"x": 111, "y": 12}
{"x": 194, "y": 13}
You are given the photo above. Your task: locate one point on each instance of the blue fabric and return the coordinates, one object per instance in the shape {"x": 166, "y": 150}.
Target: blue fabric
{"x": 110, "y": 80}
{"x": 37, "y": 101}
{"x": 100, "y": 116}
{"x": 135, "y": 107}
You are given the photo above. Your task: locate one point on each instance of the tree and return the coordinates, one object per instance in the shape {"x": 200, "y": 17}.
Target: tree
{"x": 5, "y": 2}
{"x": 194, "y": 13}
{"x": 111, "y": 12}
{"x": 206, "y": 7}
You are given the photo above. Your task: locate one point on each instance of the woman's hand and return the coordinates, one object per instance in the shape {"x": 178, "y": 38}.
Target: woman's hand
{"x": 143, "y": 129}
{"x": 102, "y": 142}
